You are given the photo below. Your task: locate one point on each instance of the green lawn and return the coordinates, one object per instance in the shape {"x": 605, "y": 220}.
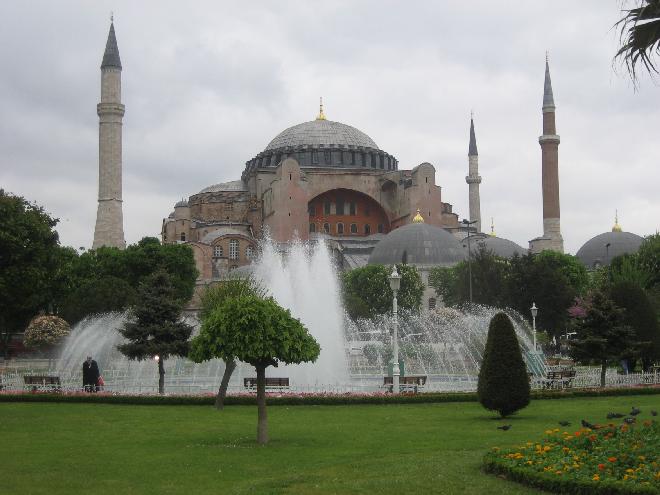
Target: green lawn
{"x": 428, "y": 448}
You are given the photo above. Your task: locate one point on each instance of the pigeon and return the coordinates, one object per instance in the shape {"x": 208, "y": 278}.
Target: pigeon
{"x": 586, "y": 424}
{"x": 565, "y": 423}
{"x": 654, "y": 413}
{"x": 613, "y": 415}
{"x": 504, "y": 427}
{"x": 629, "y": 420}
{"x": 635, "y": 411}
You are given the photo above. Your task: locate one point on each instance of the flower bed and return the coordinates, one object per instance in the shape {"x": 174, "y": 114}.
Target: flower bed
{"x": 611, "y": 459}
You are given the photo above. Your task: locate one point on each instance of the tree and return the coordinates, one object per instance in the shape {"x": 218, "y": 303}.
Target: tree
{"x": 639, "y": 314}
{"x": 488, "y": 278}
{"x": 649, "y": 259}
{"x": 367, "y": 293}
{"x": 45, "y": 330}
{"x": 602, "y": 336}
{"x": 503, "y": 384}
{"x": 627, "y": 268}
{"x": 551, "y": 280}
{"x": 155, "y": 328}
{"x": 259, "y": 332}
{"x": 96, "y": 296}
{"x": 28, "y": 247}
{"x": 640, "y": 36}
{"x": 213, "y": 298}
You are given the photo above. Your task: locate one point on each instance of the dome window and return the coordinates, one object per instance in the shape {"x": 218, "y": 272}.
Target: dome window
{"x": 315, "y": 157}
{"x": 367, "y": 229}
{"x": 327, "y": 157}
{"x": 312, "y": 228}
{"x": 326, "y": 228}
{"x": 364, "y": 159}
{"x": 354, "y": 228}
{"x": 352, "y": 208}
{"x": 340, "y": 206}
{"x": 217, "y": 251}
{"x": 326, "y": 207}
{"x": 352, "y": 157}
{"x": 340, "y": 228}
{"x": 233, "y": 249}
{"x": 380, "y": 228}
{"x": 249, "y": 252}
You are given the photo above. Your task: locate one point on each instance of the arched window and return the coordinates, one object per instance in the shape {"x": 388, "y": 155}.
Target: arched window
{"x": 326, "y": 228}
{"x": 312, "y": 228}
{"x": 354, "y": 229}
{"x": 367, "y": 229}
{"x": 327, "y": 157}
{"x": 249, "y": 252}
{"x": 326, "y": 207}
{"x": 340, "y": 228}
{"x": 233, "y": 249}
{"x": 432, "y": 303}
{"x": 217, "y": 251}
{"x": 183, "y": 236}
{"x": 380, "y": 228}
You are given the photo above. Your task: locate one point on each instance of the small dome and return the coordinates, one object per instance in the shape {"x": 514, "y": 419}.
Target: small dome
{"x": 418, "y": 244}
{"x": 321, "y": 132}
{"x": 235, "y": 185}
{"x": 599, "y": 250}
{"x": 504, "y": 248}
{"x": 181, "y": 204}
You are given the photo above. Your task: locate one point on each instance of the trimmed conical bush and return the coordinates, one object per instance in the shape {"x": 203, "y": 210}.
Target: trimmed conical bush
{"x": 503, "y": 381}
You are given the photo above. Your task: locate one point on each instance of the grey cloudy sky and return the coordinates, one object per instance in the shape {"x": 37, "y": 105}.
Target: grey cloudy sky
{"x": 207, "y": 84}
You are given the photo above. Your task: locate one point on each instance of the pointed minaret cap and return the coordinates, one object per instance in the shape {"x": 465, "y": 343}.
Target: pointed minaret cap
{"x": 617, "y": 227}
{"x": 473, "y": 140}
{"x": 548, "y": 98}
{"x": 492, "y": 228}
{"x": 111, "y": 55}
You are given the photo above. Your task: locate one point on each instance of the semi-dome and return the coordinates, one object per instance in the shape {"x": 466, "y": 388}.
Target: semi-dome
{"x": 181, "y": 204}
{"x": 321, "y": 132}
{"x": 600, "y": 250}
{"x": 504, "y": 248}
{"x": 235, "y": 185}
{"x": 418, "y": 244}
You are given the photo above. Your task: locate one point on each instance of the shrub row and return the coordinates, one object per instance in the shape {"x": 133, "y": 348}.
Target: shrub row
{"x": 554, "y": 484}
{"x": 311, "y": 399}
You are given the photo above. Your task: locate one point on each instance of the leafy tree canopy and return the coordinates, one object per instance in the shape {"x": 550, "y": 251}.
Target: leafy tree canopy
{"x": 640, "y": 36}
{"x": 367, "y": 293}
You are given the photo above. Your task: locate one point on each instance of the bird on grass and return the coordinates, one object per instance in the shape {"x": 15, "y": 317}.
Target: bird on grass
{"x": 586, "y": 424}
{"x": 629, "y": 420}
{"x": 635, "y": 411}
{"x": 613, "y": 415}
{"x": 504, "y": 427}
{"x": 654, "y": 413}
{"x": 564, "y": 423}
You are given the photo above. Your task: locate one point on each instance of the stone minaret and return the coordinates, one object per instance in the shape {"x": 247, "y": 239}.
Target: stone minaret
{"x": 474, "y": 179}
{"x": 549, "y": 142}
{"x": 109, "y": 230}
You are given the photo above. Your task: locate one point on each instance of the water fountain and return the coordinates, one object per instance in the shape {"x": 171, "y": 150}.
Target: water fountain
{"x": 446, "y": 345}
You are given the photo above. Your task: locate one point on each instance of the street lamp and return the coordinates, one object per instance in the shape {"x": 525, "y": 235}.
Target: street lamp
{"x": 395, "y": 283}
{"x": 534, "y": 311}
{"x": 607, "y": 253}
{"x": 467, "y": 223}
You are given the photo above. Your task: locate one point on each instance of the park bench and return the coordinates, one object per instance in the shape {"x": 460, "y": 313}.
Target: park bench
{"x": 42, "y": 383}
{"x": 278, "y": 384}
{"x": 559, "y": 379}
{"x": 409, "y": 383}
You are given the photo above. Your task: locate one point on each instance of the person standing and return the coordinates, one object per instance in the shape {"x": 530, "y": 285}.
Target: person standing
{"x": 91, "y": 374}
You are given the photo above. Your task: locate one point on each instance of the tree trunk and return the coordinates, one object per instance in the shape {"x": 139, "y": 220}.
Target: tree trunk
{"x": 161, "y": 377}
{"x": 603, "y": 369}
{"x": 230, "y": 366}
{"x": 262, "y": 424}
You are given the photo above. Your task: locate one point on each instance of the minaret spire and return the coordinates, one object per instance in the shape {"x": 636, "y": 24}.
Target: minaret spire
{"x": 617, "y": 227}
{"x": 109, "y": 230}
{"x": 549, "y": 141}
{"x": 321, "y": 115}
{"x": 473, "y": 179}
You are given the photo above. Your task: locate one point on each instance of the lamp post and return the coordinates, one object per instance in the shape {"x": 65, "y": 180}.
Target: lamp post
{"x": 467, "y": 223}
{"x": 607, "y": 253}
{"x": 395, "y": 283}
{"x": 534, "y": 311}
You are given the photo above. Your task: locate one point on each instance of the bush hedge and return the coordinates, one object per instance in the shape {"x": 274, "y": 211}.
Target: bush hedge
{"x": 306, "y": 400}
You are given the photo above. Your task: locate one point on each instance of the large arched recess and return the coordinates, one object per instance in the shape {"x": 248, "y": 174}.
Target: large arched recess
{"x": 346, "y": 213}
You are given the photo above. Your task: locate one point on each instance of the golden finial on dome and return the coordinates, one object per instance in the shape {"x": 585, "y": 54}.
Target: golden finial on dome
{"x": 617, "y": 227}
{"x": 418, "y": 218}
{"x": 321, "y": 115}
{"x": 492, "y": 228}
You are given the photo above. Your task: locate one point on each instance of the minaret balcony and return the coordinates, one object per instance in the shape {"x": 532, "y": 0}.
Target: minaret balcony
{"x": 473, "y": 179}
{"x": 549, "y": 138}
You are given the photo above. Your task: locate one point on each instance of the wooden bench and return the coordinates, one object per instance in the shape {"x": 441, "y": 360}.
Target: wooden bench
{"x": 42, "y": 382}
{"x": 559, "y": 379}
{"x": 408, "y": 383}
{"x": 271, "y": 383}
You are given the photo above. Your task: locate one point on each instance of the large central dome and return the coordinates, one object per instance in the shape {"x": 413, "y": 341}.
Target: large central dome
{"x": 321, "y": 132}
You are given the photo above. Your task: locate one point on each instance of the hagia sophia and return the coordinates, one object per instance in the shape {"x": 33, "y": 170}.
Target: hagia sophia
{"x": 328, "y": 180}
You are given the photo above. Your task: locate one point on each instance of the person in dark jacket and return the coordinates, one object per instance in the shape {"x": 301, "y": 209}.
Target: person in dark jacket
{"x": 91, "y": 374}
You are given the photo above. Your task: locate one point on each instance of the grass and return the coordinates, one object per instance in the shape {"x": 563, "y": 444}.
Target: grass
{"x": 421, "y": 448}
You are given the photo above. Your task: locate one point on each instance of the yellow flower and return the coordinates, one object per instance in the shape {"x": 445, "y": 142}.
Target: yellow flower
{"x": 642, "y": 458}
{"x": 548, "y": 432}
{"x": 630, "y": 471}
{"x": 596, "y": 477}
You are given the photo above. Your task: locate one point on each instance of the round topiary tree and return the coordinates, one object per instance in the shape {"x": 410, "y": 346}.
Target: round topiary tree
{"x": 503, "y": 383}
{"x": 45, "y": 330}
